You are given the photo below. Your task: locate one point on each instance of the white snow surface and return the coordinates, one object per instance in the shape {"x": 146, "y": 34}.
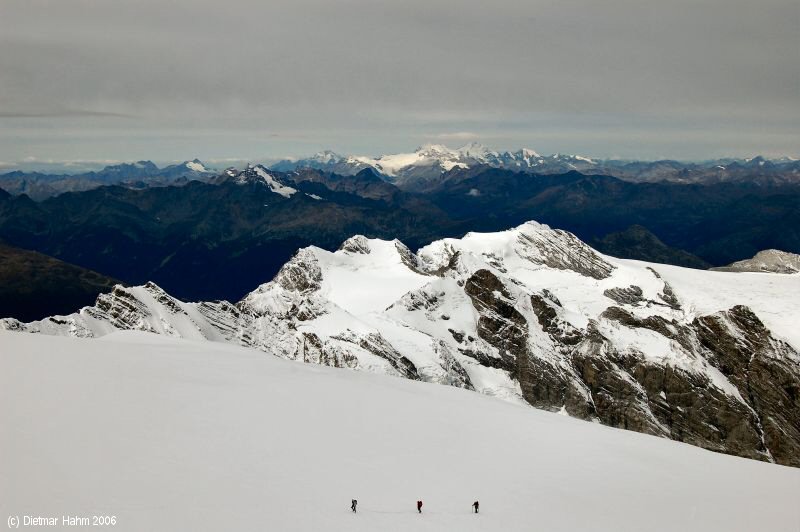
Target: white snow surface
{"x": 774, "y": 297}
{"x": 171, "y": 434}
{"x": 364, "y": 283}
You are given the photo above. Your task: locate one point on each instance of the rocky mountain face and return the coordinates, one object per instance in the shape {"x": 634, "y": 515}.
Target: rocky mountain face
{"x": 769, "y": 260}
{"x": 531, "y": 315}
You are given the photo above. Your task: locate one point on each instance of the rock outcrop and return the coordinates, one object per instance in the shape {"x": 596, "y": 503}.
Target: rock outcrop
{"x": 769, "y": 260}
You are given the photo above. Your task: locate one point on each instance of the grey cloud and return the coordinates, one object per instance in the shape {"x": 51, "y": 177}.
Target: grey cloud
{"x": 458, "y": 136}
{"x": 44, "y": 113}
{"x": 372, "y": 76}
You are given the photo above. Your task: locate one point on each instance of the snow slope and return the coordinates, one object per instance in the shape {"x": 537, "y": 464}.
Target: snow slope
{"x": 170, "y": 434}
{"x": 774, "y": 297}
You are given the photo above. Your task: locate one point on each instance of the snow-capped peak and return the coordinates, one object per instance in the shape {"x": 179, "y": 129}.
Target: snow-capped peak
{"x": 259, "y": 174}
{"x": 434, "y": 150}
{"x": 435, "y": 156}
{"x": 327, "y": 157}
{"x": 476, "y": 151}
{"x": 196, "y": 166}
{"x": 528, "y": 153}
{"x": 276, "y": 186}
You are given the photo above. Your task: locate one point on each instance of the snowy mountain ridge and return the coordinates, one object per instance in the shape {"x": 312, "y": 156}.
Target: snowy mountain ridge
{"x": 257, "y": 175}
{"x": 531, "y": 315}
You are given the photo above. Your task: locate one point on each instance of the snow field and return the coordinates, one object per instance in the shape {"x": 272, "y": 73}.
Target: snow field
{"x": 171, "y": 434}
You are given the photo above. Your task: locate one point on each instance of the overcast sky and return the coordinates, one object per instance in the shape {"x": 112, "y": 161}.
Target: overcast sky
{"x": 245, "y": 79}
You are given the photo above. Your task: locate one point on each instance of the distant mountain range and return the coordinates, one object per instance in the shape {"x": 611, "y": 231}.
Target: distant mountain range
{"x": 141, "y": 174}
{"x": 423, "y": 170}
{"x": 419, "y": 170}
